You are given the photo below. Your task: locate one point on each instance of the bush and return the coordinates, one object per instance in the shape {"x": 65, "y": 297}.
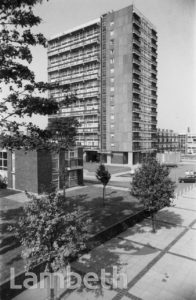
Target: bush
{"x": 3, "y": 182}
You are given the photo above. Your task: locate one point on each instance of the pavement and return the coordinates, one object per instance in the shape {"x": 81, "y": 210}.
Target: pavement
{"x": 157, "y": 266}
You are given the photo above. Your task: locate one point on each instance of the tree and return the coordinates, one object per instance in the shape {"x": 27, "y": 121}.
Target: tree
{"x": 49, "y": 234}
{"x": 25, "y": 97}
{"x": 152, "y": 185}
{"x": 103, "y": 176}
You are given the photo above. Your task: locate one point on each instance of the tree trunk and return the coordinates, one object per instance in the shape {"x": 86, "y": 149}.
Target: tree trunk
{"x": 153, "y": 222}
{"x": 52, "y": 297}
{"x": 103, "y": 195}
{"x": 64, "y": 191}
{"x": 50, "y": 283}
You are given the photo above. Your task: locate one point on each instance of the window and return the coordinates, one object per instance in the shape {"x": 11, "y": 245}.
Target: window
{"x": 3, "y": 160}
{"x": 111, "y": 33}
{"x": 112, "y": 60}
{"x": 112, "y": 89}
{"x": 112, "y": 70}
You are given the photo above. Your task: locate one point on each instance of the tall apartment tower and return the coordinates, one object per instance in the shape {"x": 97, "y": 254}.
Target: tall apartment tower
{"x": 112, "y": 64}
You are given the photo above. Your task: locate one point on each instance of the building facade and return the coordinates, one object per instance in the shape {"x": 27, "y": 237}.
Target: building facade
{"x": 38, "y": 171}
{"x": 191, "y": 143}
{"x": 112, "y": 64}
{"x": 167, "y": 141}
{"x": 182, "y": 143}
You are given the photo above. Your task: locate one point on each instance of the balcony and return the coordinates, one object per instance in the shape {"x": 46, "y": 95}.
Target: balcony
{"x": 153, "y": 113}
{"x": 136, "y": 119}
{"x": 136, "y": 31}
{"x": 153, "y": 49}
{"x": 136, "y": 19}
{"x": 154, "y": 71}
{"x": 154, "y": 79}
{"x": 136, "y": 147}
{"x": 136, "y": 109}
{"x": 154, "y": 34}
{"x": 136, "y": 70}
{"x": 136, "y": 129}
{"x": 136, "y": 51}
{"x": 136, "y": 90}
{"x": 136, "y": 61}
{"x": 136, "y": 42}
{"x": 136, "y": 80}
{"x": 153, "y": 120}
{"x": 154, "y": 87}
{"x": 154, "y": 62}
{"x": 136, "y": 98}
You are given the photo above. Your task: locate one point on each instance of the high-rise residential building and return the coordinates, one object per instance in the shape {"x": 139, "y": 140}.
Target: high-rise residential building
{"x": 112, "y": 64}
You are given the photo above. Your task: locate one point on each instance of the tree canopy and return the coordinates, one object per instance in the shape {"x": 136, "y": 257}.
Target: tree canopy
{"x": 103, "y": 175}
{"x": 152, "y": 185}
{"x": 49, "y": 233}
{"x": 24, "y": 96}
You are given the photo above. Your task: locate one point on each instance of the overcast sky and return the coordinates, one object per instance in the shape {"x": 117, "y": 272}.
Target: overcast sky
{"x": 174, "y": 20}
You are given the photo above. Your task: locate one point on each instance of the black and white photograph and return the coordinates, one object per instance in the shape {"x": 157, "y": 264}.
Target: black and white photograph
{"x": 97, "y": 150}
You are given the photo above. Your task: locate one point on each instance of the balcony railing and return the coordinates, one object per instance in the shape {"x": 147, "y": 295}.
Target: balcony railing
{"x": 136, "y": 71}
{"x": 136, "y": 51}
{"x": 136, "y": 31}
{"x": 136, "y": 128}
{"x": 136, "y": 99}
{"x": 136, "y": 41}
{"x": 136, "y": 21}
{"x": 136, "y": 61}
{"x": 136, "y": 90}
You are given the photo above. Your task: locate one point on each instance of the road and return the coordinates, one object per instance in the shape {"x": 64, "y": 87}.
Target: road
{"x": 175, "y": 173}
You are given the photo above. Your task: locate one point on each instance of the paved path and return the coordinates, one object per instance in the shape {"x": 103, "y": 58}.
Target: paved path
{"x": 158, "y": 266}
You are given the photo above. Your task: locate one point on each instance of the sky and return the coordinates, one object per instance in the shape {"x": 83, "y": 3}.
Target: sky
{"x": 175, "y": 21}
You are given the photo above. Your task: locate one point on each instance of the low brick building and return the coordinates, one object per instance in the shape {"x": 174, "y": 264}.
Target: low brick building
{"x": 37, "y": 171}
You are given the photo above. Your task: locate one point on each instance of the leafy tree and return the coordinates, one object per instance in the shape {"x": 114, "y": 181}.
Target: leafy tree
{"x": 25, "y": 97}
{"x": 103, "y": 176}
{"x": 152, "y": 185}
{"x": 50, "y": 234}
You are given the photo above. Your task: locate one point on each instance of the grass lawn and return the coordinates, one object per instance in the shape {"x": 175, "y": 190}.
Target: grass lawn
{"x": 118, "y": 205}
{"x": 92, "y": 167}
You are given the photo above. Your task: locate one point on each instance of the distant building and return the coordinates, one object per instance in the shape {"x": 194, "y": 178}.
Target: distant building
{"x": 37, "y": 171}
{"x": 112, "y": 64}
{"x": 182, "y": 137}
{"x": 167, "y": 141}
{"x": 191, "y": 143}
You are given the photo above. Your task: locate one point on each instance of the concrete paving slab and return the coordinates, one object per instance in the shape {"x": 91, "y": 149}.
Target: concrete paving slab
{"x": 102, "y": 294}
{"x": 178, "y": 217}
{"x": 171, "y": 278}
{"x": 142, "y": 233}
{"x": 186, "y": 246}
{"x": 186, "y": 203}
{"x": 129, "y": 258}
{"x": 194, "y": 226}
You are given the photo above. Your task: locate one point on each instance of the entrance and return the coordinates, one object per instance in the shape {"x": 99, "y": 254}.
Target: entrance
{"x": 92, "y": 156}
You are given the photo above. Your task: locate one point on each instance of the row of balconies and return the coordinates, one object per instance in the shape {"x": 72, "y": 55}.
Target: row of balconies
{"x": 73, "y": 46}
{"x": 73, "y": 39}
{"x": 139, "y": 120}
{"x": 140, "y": 129}
{"x": 73, "y": 62}
{"x": 137, "y": 109}
{"x": 81, "y": 78}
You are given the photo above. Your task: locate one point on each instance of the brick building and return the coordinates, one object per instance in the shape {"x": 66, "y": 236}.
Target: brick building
{"x": 37, "y": 171}
{"x": 112, "y": 64}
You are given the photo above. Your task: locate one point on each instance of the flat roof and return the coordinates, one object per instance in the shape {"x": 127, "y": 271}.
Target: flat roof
{"x": 75, "y": 29}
